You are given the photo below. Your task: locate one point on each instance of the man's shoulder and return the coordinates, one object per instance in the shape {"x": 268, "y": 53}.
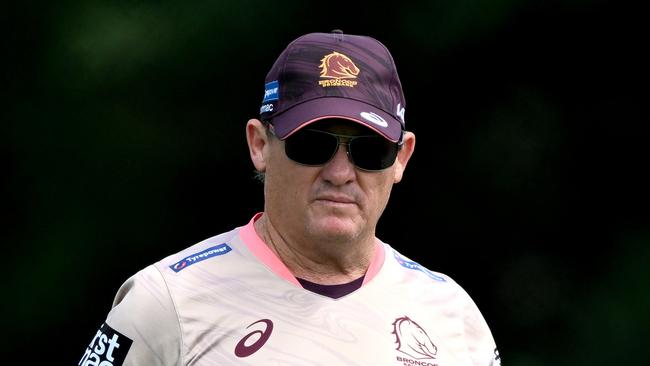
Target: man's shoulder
{"x": 209, "y": 248}
{"x": 155, "y": 273}
{"x": 433, "y": 283}
{"x": 406, "y": 265}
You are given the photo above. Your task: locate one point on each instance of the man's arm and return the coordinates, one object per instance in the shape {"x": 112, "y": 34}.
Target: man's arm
{"x": 142, "y": 327}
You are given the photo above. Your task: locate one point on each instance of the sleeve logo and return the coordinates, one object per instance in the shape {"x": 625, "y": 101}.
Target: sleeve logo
{"x": 416, "y": 266}
{"x": 220, "y": 249}
{"x": 108, "y": 348}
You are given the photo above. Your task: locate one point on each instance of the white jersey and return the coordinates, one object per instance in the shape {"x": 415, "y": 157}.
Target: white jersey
{"x": 230, "y": 301}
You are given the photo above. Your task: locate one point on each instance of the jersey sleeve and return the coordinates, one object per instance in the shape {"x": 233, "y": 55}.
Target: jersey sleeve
{"x": 142, "y": 327}
{"x": 481, "y": 345}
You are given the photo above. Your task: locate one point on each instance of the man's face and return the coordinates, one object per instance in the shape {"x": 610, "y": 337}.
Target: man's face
{"x": 335, "y": 201}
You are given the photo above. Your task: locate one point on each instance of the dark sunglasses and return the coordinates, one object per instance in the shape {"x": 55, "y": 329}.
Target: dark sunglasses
{"x": 316, "y": 148}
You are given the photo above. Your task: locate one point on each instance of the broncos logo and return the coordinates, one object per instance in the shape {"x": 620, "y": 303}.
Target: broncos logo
{"x": 338, "y": 66}
{"x": 412, "y": 340}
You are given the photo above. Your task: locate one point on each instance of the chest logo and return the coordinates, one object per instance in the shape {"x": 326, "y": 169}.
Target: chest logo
{"x": 412, "y": 340}
{"x": 244, "y": 348}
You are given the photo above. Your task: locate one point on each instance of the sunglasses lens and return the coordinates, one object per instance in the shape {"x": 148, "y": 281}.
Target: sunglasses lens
{"x": 310, "y": 147}
{"x": 373, "y": 152}
{"x": 313, "y": 147}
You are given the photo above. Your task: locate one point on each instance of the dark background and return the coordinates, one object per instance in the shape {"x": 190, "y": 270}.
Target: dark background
{"x": 123, "y": 142}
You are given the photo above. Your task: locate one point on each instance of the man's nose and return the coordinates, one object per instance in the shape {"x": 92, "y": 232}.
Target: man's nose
{"x": 340, "y": 169}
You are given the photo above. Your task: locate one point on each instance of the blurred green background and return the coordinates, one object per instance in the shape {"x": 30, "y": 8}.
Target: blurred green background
{"x": 123, "y": 142}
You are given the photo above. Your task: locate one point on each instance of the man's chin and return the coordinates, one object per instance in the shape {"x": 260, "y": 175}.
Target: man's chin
{"x": 335, "y": 227}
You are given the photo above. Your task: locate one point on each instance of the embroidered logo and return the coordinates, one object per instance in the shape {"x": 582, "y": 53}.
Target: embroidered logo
{"x": 338, "y": 69}
{"x": 412, "y": 340}
{"x": 244, "y": 350}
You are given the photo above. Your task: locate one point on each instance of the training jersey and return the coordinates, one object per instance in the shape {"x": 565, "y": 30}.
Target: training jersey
{"x": 229, "y": 300}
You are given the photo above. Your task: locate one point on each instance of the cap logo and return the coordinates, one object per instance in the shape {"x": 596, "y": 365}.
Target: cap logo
{"x": 374, "y": 118}
{"x": 337, "y": 69}
{"x": 400, "y": 112}
{"x": 271, "y": 91}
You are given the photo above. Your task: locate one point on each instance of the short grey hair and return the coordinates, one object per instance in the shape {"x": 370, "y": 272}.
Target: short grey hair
{"x": 259, "y": 176}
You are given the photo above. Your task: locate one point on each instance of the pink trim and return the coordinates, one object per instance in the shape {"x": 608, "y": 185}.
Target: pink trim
{"x": 304, "y": 124}
{"x": 262, "y": 252}
{"x": 376, "y": 264}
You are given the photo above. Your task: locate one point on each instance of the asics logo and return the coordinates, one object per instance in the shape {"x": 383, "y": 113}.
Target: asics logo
{"x": 374, "y": 118}
{"x": 244, "y": 350}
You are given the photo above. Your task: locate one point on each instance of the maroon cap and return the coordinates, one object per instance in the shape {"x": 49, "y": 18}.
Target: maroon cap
{"x": 334, "y": 75}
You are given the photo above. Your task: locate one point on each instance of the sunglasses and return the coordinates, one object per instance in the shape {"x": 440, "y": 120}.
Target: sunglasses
{"x": 316, "y": 148}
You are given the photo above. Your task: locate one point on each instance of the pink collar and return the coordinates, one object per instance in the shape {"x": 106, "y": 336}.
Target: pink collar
{"x": 265, "y": 254}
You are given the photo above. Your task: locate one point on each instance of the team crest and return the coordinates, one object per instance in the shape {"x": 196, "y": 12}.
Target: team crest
{"x": 337, "y": 69}
{"x": 412, "y": 340}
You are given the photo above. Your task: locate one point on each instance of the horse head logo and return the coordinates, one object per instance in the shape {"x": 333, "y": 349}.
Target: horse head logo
{"x": 338, "y": 66}
{"x": 412, "y": 340}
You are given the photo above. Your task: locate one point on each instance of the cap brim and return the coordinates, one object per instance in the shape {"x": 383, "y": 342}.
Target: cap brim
{"x": 303, "y": 114}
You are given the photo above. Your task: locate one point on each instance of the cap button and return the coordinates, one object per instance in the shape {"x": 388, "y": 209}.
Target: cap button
{"x": 337, "y": 31}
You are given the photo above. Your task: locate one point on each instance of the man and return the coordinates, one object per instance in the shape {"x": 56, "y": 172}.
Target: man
{"x": 306, "y": 282}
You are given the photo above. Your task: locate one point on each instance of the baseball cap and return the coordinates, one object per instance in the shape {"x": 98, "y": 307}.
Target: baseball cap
{"x": 334, "y": 75}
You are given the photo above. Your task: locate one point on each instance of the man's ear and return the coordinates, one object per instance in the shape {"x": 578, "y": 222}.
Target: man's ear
{"x": 257, "y": 143}
{"x": 404, "y": 155}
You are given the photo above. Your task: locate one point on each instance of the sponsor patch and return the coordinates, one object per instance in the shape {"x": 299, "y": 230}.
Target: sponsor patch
{"x": 416, "y": 266}
{"x": 220, "y": 249}
{"x": 266, "y": 108}
{"x": 108, "y": 348}
{"x": 271, "y": 91}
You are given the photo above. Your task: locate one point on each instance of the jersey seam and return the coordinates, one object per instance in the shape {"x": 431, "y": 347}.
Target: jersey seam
{"x": 178, "y": 319}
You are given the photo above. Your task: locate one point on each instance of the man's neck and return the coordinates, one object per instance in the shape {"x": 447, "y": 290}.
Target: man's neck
{"x": 316, "y": 260}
